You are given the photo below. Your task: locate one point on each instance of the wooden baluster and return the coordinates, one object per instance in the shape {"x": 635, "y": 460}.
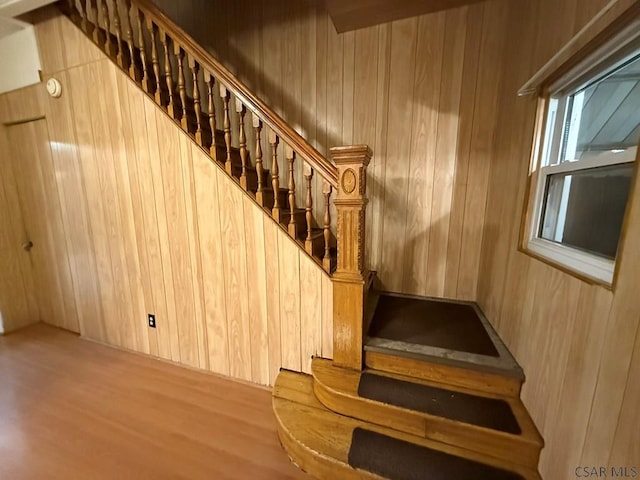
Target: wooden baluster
{"x": 212, "y": 113}
{"x": 168, "y": 75}
{"x": 93, "y": 8}
{"x": 142, "y": 50}
{"x": 184, "y": 120}
{"x": 292, "y": 227}
{"x": 308, "y": 243}
{"x": 116, "y": 26}
{"x": 128, "y": 33}
{"x": 326, "y": 260}
{"x": 82, "y": 11}
{"x": 275, "y": 178}
{"x": 224, "y": 93}
{"x": 107, "y": 28}
{"x": 194, "y": 67}
{"x": 242, "y": 141}
{"x": 155, "y": 61}
{"x": 257, "y": 126}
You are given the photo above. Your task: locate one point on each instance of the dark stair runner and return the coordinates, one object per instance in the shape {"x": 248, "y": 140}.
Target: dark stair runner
{"x": 402, "y": 460}
{"x": 481, "y": 411}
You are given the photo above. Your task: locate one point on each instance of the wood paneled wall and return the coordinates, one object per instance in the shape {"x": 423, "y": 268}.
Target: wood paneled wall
{"x": 151, "y": 225}
{"x": 421, "y": 92}
{"x": 579, "y": 344}
{"x": 435, "y": 98}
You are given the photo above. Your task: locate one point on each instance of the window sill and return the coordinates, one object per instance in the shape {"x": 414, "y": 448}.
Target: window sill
{"x": 586, "y": 267}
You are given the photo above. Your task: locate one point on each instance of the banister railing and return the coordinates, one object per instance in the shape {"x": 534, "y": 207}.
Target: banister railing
{"x": 226, "y": 119}
{"x": 235, "y": 86}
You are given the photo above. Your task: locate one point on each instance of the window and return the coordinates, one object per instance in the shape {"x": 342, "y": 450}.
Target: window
{"x": 585, "y": 168}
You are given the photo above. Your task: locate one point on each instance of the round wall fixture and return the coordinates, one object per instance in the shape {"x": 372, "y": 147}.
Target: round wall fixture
{"x": 54, "y": 87}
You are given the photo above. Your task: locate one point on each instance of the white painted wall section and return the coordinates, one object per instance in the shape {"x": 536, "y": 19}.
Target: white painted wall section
{"x": 19, "y": 55}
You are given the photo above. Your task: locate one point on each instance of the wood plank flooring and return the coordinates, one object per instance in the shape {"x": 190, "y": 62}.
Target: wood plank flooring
{"x": 70, "y": 408}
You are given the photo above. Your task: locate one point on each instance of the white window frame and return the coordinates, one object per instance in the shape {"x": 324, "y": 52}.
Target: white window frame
{"x": 550, "y": 148}
{"x": 591, "y": 265}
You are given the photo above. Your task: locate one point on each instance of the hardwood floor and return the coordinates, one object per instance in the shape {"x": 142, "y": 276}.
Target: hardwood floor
{"x": 71, "y": 409}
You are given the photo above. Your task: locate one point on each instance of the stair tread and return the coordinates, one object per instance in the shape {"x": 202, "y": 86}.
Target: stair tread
{"x": 438, "y": 330}
{"x": 320, "y": 440}
{"x": 491, "y": 413}
{"x": 434, "y": 322}
{"x": 401, "y": 459}
{"x": 340, "y": 390}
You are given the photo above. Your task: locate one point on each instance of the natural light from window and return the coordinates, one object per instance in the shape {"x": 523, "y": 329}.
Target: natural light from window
{"x": 585, "y": 178}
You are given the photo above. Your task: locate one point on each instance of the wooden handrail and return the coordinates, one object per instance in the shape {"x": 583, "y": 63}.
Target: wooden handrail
{"x": 320, "y": 164}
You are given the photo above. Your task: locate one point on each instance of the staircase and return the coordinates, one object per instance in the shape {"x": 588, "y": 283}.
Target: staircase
{"x": 417, "y": 388}
{"x": 416, "y": 411}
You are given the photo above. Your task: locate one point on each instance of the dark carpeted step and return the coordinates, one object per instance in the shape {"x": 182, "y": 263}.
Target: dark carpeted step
{"x": 484, "y": 412}
{"x": 399, "y": 460}
{"x": 448, "y": 325}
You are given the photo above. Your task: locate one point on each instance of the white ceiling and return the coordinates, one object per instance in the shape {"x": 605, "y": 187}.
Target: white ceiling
{"x": 9, "y": 26}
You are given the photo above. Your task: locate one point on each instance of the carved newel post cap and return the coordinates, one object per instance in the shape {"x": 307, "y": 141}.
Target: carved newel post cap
{"x": 351, "y": 154}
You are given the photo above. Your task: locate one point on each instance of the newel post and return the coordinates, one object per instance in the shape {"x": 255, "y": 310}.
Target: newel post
{"x": 350, "y": 274}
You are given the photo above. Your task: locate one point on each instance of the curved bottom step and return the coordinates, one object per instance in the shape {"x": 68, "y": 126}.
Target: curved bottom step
{"x": 489, "y": 424}
{"x": 329, "y": 446}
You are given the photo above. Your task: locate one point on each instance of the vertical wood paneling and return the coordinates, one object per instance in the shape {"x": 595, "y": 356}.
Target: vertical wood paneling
{"x": 187, "y": 150}
{"x": 327, "y": 317}
{"x": 624, "y": 450}
{"x": 120, "y": 329}
{"x": 142, "y": 200}
{"x": 68, "y": 174}
{"x": 335, "y": 73}
{"x": 367, "y": 86}
{"x": 424, "y": 128}
{"x": 348, "y": 78}
{"x": 470, "y": 72}
{"x": 310, "y": 314}
{"x": 150, "y": 224}
{"x": 565, "y": 438}
{"x": 446, "y": 149}
{"x": 290, "y": 328}
{"x": 257, "y": 291}
{"x": 483, "y": 133}
{"x": 396, "y": 181}
{"x": 125, "y": 164}
{"x": 207, "y": 206}
{"x": 168, "y": 153}
{"x": 377, "y": 167}
{"x": 98, "y": 329}
{"x": 234, "y": 261}
{"x": 50, "y": 46}
{"x": 576, "y": 342}
{"x": 272, "y": 270}
{"x": 158, "y": 246}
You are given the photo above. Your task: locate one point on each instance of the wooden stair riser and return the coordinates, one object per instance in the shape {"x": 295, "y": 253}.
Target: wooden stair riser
{"x": 487, "y": 382}
{"x": 337, "y": 390}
